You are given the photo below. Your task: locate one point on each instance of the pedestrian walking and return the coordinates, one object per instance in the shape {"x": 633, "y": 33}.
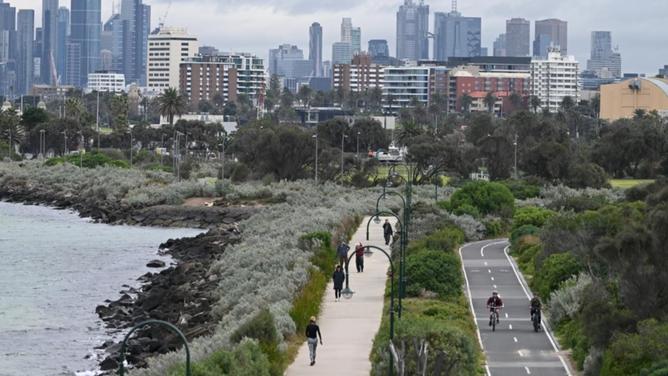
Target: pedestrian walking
{"x": 338, "y": 277}
{"x": 342, "y": 253}
{"x": 387, "y": 231}
{"x": 312, "y": 335}
{"x": 359, "y": 257}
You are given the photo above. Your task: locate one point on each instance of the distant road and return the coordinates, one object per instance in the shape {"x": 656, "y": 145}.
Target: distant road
{"x": 514, "y": 349}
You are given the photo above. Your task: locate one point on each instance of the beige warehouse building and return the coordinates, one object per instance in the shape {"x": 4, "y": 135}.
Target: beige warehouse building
{"x": 622, "y": 99}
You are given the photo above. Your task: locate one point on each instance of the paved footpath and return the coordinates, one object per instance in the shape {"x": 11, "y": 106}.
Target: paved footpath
{"x": 349, "y": 326}
{"x": 514, "y": 349}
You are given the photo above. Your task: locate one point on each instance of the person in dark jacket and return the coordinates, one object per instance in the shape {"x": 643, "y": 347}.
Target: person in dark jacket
{"x": 387, "y": 232}
{"x": 342, "y": 253}
{"x": 338, "y": 277}
{"x": 359, "y": 257}
{"x": 312, "y": 335}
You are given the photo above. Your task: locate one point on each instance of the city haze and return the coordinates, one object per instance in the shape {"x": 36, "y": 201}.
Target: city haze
{"x": 258, "y": 25}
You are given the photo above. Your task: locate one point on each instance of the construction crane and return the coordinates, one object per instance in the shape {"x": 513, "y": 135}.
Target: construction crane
{"x": 454, "y": 6}
{"x": 163, "y": 19}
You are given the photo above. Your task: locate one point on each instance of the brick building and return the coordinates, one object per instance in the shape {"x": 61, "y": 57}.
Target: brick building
{"x": 201, "y": 78}
{"x": 359, "y": 76}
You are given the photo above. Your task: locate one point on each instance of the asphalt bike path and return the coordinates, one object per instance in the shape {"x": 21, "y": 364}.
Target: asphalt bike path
{"x": 349, "y": 326}
{"x": 514, "y": 349}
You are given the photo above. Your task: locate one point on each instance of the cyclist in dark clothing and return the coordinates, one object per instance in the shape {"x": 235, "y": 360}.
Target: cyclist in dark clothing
{"x": 338, "y": 278}
{"x": 312, "y": 335}
{"x": 387, "y": 232}
{"x": 535, "y": 307}
{"x": 494, "y": 303}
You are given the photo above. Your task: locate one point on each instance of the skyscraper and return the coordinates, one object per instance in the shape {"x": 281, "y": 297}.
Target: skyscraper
{"x": 604, "y": 61}
{"x": 412, "y": 30}
{"x": 62, "y": 34}
{"x": 456, "y": 36}
{"x": 518, "y": 37}
{"x": 50, "y": 51}
{"x": 315, "y": 49}
{"x": 288, "y": 61}
{"x": 356, "y": 40}
{"x": 499, "y": 46}
{"x": 134, "y": 25}
{"x": 86, "y": 26}
{"x": 7, "y": 32}
{"x": 550, "y": 33}
{"x": 342, "y": 53}
{"x": 25, "y": 23}
{"x": 347, "y": 30}
{"x": 378, "y": 48}
{"x": 167, "y": 48}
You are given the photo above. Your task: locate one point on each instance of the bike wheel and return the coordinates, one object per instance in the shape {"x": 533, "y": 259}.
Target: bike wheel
{"x": 494, "y": 323}
{"x": 536, "y": 324}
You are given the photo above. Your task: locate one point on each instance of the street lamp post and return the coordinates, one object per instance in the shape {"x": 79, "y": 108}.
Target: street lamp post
{"x": 65, "y": 149}
{"x": 515, "y": 144}
{"x": 402, "y": 243}
{"x": 348, "y": 293}
{"x": 42, "y": 142}
{"x": 316, "y": 157}
{"x": 343, "y": 137}
{"x": 357, "y": 153}
{"x": 131, "y": 147}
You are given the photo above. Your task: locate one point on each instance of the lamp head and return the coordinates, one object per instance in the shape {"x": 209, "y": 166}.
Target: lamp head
{"x": 347, "y": 293}
{"x": 376, "y": 220}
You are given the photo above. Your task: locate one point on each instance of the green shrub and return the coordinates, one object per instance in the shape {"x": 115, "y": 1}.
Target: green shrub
{"x": 630, "y": 353}
{"x": 659, "y": 368}
{"x": 531, "y": 215}
{"x": 247, "y": 359}
{"x": 519, "y": 232}
{"x": 494, "y": 228}
{"x": 466, "y": 209}
{"x": 240, "y": 173}
{"x": 261, "y": 327}
{"x": 435, "y": 271}
{"x": 88, "y": 160}
{"x": 571, "y": 336}
{"x": 522, "y": 189}
{"x": 460, "y": 350}
{"x": 486, "y": 197}
{"x": 587, "y": 175}
{"x": 446, "y": 239}
{"x": 555, "y": 269}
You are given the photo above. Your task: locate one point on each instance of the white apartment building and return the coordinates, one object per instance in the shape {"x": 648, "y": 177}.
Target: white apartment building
{"x": 402, "y": 86}
{"x": 555, "y": 78}
{"x": 106, "y": 82}
{"x": 167, "y": 48}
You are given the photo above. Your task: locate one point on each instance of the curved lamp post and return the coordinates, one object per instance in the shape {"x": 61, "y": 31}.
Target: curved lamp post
{"x": 348, "y": 293}
{"x": 174, "y": 329}
{"x": 402, "y": 242}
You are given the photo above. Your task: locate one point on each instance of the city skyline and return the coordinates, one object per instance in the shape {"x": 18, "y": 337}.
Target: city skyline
{"x": 290, "y": 20}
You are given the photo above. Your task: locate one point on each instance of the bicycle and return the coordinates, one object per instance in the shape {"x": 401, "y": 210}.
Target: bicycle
{"x": 535, "y": 319}
{"x": 494, "y": 316}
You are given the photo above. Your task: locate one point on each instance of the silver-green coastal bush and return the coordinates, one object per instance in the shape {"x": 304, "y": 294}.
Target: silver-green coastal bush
{"x": 566, "y": 301}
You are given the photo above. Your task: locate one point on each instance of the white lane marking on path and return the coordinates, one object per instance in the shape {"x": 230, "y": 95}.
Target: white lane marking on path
{"x": 510, "y": 326}
{"x": 482, "y": 249}
{"x": 468, "y": 290}
{"x": 485, "y": 263}
{"x": 494, "y": 286}
{"x": 489, "y": 271}
{"x": 506, "y": 315}
{"x": 528, "y": 371}
{"x": 515, "y": 339}
{"x": 492, "y": 278}
{"x": 546, "y": 331}
{"x": 521, "y": 352}
{"x": 487, "y": 369}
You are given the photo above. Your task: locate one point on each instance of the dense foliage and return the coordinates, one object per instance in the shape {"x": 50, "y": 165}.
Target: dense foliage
{"x": 603, "y": 272}
{"x": 482, "y": 198}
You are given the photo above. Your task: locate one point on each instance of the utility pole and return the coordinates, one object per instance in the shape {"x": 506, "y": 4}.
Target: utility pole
{"x": 42, "y": 143}
{"x": 131, "y": 147}
{"x": 316, "y": 156}
{"x": 515, "y": 144}
{"x": 343, "y": 137}
{"x": 65, "y": 150}
{"x": 97, "y": 120}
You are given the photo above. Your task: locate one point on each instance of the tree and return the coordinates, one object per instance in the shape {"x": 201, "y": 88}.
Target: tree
{"x": 567, "y": 103}
{"x": 172, "y": 104}
{"x": 119, "y": 113}
{"x": 490, "y": 101}
{"x": 515, "y": 101}
{"x": 466, "y": 101}
{"x": 304, "y": 95}
{"x": 535, "y": 103}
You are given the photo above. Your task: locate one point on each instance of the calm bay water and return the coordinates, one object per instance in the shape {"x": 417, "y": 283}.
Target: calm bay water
{"x": 55, "y": 268}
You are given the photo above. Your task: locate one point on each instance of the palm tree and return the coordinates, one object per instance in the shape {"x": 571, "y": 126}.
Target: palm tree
{"x": 535, "y": 103}
{"x": 490, "y": 101}
{"x": 466, "y": 102}
{"x": 567, "y": 103}
{"x": 515, "y": 100}
{"x": 172, "y": 104}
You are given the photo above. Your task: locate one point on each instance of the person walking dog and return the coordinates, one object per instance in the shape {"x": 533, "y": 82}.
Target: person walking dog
{"x": 312, "y": 335}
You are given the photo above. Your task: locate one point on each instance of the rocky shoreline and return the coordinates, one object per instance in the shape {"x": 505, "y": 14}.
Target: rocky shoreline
{"x": 181, "y": 294}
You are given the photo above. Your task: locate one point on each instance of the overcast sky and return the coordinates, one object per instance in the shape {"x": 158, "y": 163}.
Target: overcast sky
{"x": 638, "y": 27}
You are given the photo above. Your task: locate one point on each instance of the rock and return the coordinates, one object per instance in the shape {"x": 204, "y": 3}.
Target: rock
{"x": 109, "y": 364}
{"x": 156, "y": 264}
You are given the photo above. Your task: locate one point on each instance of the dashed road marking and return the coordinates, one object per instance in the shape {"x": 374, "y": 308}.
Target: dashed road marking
{"x": 489, "y": 271}
{"x": 528, "y": 371}
{"x": 510, "y": 327}
{"x": 492, "y": 278}
{"x": 506, "y": 315}
{"x": 515, "y": 339}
